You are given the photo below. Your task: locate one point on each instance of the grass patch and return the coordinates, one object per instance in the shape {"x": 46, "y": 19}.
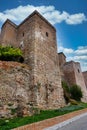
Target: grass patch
{"x": 7, "y": 124}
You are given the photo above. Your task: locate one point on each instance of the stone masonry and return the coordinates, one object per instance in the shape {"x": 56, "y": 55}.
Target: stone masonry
{"x": 37, "y": 39}
{"x": 38, "y": 80}
{"x": 85, "y": 77}
{"x": 72, "y": 74}
{"x": 14, "y": 83}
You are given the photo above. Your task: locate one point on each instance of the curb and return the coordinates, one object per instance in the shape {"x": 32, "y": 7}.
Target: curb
{"x": 64, "y": 123}
{"x": 56, "y": 122}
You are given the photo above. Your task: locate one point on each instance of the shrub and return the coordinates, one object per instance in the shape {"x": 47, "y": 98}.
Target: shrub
{"x": 66, "y": 91}
{"x": 8, "y": 53}
{"x": 76, "y": 92}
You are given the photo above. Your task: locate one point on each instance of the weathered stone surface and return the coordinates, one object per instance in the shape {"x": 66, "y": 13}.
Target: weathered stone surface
{"x": 15, "y": 89}
{"x": 37, "y": 83}
{"x": 14, "y": 82}
{"x": 85, "y": 77}
{"x": 37, "y": 39}
{"x": 72, "y": 74}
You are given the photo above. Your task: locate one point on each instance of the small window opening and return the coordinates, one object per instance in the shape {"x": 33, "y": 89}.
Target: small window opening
{"x": 78, "y": 71}
{"x": 23, "y": 34}
{"x": 47, "y": 34}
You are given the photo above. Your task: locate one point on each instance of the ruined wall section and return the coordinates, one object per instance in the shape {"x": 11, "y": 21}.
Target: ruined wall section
{"x": 8, "y": 34}
{"x": 46, "y": 69}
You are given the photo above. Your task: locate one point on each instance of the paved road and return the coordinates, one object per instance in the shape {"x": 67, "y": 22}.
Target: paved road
{"x": 80, "y": 124}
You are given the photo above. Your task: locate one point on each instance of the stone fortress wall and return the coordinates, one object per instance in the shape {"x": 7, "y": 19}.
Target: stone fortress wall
{"x": 71, "y": 73}
{"x": 36, "y": 37}
{"x": 85, "y": 77}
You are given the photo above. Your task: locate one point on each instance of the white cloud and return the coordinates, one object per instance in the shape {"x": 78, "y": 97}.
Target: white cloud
{"x": 81, "y": 50}
{"x": 84, "y": 66}
{"x": 65, "y": 50}
{"x": 49, "y": 12}
{"x": 79, "y": 55}
{"x": 76, "y": 18}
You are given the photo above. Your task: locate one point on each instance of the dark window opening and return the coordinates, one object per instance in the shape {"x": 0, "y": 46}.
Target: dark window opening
{"x": 23, "y": 34}
{"x": 78, "y": 71}
{"x": 47, "y": 34}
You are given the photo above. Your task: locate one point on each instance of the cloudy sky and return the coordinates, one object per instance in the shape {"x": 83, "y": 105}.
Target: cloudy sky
{"x": 68, "y": 16}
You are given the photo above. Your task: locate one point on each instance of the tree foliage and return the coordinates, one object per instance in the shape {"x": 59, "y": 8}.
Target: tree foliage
{"x": 76, "y": 92}
{"x": 66, "y": 91}
{"x": 8, "y": 53}
{"x": 72, "y": 93}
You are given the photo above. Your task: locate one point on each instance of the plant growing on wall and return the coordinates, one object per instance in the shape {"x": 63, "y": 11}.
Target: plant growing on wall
{"x": 8, "y": 53}
{"x": 76, "y": 92}
{"x": 66, "y": 91}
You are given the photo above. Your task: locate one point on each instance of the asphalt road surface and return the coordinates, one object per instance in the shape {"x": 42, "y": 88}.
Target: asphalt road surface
{"x": 80, "y": 124}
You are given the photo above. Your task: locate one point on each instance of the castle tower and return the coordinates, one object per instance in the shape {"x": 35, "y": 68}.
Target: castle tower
{"x": 37, "y": 39}
{"x": 8, "y": 33}
{"x": 46, "y": 64}
{"x": 73, "y": 75}
{"x": 62, "y": 61}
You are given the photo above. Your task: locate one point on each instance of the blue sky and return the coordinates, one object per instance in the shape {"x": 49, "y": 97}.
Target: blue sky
{"x": 68, "y": 16}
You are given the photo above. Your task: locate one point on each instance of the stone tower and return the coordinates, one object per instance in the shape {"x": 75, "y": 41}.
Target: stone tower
{"x": 37, "y": 39}
{"x": 62, "y": 61}
{"x": 73, "y": 75}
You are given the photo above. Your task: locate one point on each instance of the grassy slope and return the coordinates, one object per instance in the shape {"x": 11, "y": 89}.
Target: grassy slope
{"x": 7, "y": 124}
